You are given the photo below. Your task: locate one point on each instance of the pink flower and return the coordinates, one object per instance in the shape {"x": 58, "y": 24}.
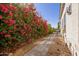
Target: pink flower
{"x": 9, "y": 22}
{"x": 4, "y": 8}
{"x": 6, "y": 21}
{"x": 7, "y": 35}
{"x": 10, "y": 31}
{"x": 15, "y": 27}
{"x": 22, "y": 32}
{"x": 10, "y": 13}
{"x": 25, "y": 26}
{"x": 27, "y": 10}
{"x": 12, "y": 7}
{"x": 0, "y": 16}
{"x": 2, "y": 32}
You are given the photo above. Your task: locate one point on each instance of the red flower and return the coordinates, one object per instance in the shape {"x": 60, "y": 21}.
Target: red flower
{"x": 37, "y": 20}
{"x": 27, "y": 9}
{"x": 26, "y": 14}
{"x": 0, "y": 16}
{"x": 26, "y": 26}
{"x": 2, "y": 32}
{"x": 15, "y": 27}
{"x": 45, "y": 25}
{"x": 10, "y": 13}
{"x": 11, "y": 22}
{"x": 7, "y": 35}
{"x": 4, "y": 8}
{"x": 22, "y": 32}
{"x": 6, "y": 21}
{"x": 12, "y": 7}
{"x": 10, "y": 31}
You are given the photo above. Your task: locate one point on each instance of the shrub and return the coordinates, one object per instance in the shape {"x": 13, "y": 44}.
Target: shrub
{"x": 19, "y": 24}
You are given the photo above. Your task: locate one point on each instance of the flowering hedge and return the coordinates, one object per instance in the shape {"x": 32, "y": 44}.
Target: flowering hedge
{"x": 19, "y": 24}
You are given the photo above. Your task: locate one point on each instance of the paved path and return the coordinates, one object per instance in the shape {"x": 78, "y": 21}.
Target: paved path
{"x": 42, "y": 48}
{"x": 49, "y": 46}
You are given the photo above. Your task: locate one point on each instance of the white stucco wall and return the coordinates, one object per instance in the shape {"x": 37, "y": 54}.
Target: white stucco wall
{"x": 72, "y": 28}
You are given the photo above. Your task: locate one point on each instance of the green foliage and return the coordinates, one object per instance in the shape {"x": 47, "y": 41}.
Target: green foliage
{"x": 51, "y": 30}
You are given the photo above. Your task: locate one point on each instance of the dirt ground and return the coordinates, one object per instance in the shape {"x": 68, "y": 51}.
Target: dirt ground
{"x": 58, "y": 48}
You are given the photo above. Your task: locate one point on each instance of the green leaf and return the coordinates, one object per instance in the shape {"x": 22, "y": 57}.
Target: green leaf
{"x": 7, "y": 39}
{"x": 2, "y": 42}
{"x": 5, "y": 25}
{"x": 1, "y": 29}
{"x": 11, "y": 28}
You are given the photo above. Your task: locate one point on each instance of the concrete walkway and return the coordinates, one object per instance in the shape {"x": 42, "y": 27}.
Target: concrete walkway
{"x": 42, "y": 47}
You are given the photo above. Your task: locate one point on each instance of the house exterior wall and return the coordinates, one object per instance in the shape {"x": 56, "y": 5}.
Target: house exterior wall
{"x": 72, "y": 27}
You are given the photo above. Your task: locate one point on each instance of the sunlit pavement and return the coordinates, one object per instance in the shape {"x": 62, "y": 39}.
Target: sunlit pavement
{"x": 42, "y": 47}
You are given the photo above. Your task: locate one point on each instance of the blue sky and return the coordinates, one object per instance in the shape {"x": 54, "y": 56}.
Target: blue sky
{"x": 49, "y": 11}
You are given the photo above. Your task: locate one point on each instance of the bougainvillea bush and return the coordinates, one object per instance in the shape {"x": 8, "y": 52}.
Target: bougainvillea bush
{"x": 20, "y": 24}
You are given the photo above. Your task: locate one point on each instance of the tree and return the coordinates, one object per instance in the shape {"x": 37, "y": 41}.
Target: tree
{"x": 50, "y": 29}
